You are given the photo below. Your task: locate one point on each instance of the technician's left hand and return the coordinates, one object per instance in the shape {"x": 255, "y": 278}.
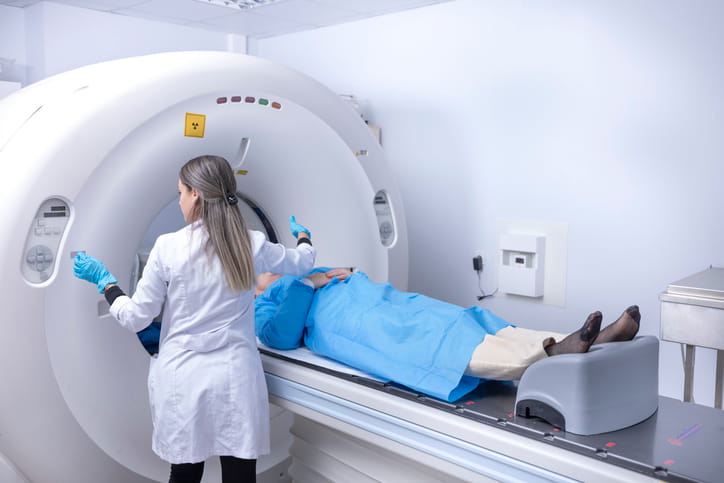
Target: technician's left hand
{"x": 297, "y": 228}
{"x": 92, "y": 270}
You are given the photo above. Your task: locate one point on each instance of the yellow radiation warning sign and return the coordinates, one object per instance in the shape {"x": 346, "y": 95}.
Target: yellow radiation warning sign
{"x": 195, "y": 124}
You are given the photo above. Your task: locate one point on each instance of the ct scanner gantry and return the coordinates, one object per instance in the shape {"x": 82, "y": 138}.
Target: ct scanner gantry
{"x": 91, "y": 157}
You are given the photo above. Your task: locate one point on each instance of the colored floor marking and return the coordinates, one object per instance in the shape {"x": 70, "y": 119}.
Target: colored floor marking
{"x": 678, "y": 441}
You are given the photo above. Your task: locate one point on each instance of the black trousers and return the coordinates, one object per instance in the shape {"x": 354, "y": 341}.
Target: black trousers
{"x": 233, "y": 470}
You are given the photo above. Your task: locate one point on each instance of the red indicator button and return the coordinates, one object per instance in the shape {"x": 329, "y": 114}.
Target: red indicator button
{"x": 249, "y": 99}
{"x": 236, "y": 99}
{"x": 221, "y": 100}
{"x": 610, "y": 445}
{"x": 669, "y": 462}
{"x": 276, "y": 105}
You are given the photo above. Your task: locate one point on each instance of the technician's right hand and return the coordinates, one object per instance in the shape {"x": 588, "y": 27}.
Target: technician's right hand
{"x": 92, "y": 270}
{"x": 297, "y": 228}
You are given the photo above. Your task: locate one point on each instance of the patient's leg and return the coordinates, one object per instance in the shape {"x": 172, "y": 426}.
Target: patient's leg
{"x": 505, "y": 359}
{"x": 507, "y": 354}
{"x": 579, "y": 341}
{"x": 625, "y": 328}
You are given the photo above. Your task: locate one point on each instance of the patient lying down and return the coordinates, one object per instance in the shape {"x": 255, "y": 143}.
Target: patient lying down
{"x": 428, "y": 345}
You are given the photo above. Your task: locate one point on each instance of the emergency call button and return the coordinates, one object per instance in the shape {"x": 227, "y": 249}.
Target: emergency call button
{"x": 195, "y": 124}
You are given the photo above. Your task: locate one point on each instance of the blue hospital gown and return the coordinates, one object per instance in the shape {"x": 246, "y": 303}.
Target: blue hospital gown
{"x": 411, "y": 339}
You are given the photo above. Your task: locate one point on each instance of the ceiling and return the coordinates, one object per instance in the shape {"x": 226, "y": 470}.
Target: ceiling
{"x": 282, "y": 17}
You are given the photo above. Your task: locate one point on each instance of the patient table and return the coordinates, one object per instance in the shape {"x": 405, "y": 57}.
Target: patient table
{"x": 479, "y": 436}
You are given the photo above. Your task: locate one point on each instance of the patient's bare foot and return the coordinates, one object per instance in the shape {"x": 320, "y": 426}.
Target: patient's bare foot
{"x": 579, "y": 341}
{"x": 625, "y": 328}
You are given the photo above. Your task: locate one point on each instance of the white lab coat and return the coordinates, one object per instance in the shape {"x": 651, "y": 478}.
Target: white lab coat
{"x": 206, "y": 386}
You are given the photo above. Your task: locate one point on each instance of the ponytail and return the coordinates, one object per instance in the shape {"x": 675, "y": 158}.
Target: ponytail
{"x": 214, "y": 181}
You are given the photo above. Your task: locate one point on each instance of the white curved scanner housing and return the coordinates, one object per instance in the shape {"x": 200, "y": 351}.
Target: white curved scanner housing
{"x": 90, "y": 158}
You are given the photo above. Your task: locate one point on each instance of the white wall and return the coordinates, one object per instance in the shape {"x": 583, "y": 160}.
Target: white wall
{"x": 12, "y": 44}
{"x": 56, "y": 37}
{"x": 603, "y": 115}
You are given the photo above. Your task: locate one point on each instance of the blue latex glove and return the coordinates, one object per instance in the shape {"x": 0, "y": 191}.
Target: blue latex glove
{"x": 297, "y": 228}
{"x": 92, "y": 270}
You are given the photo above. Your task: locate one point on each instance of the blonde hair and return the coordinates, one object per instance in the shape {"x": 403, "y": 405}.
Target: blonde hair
{"x": 214, "y": 181}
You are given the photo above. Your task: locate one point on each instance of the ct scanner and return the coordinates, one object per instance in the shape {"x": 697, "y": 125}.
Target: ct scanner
{"x": 90, "y": 159}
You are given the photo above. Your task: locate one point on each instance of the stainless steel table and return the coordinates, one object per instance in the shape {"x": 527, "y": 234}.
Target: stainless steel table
{"x": 692, "y": 313}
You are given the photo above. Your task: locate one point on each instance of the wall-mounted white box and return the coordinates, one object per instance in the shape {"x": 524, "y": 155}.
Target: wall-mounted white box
{"x": 522, "y": 263}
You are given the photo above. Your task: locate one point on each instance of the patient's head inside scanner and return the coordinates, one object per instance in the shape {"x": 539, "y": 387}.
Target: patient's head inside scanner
{"x": 264, "y": 280}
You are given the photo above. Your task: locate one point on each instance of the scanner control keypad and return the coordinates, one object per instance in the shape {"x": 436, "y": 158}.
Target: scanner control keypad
{"x": 43, "y": 241}
{"x": 40, "y": 258}
{"x": 385, "y": 221}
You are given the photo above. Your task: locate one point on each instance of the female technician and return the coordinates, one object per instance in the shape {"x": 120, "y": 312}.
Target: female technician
{"x": 206, "y": 386}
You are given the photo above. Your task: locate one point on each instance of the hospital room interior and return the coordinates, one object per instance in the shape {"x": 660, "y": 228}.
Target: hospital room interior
{"x": 540, "y": 160}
